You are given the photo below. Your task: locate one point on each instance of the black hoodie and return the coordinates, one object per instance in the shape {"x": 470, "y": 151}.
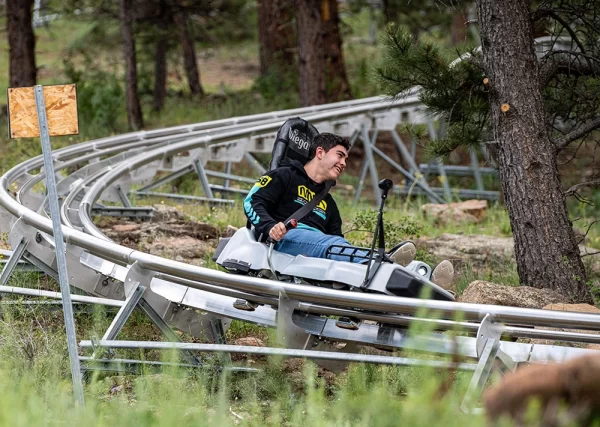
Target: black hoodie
{"x": 281, "y": 192}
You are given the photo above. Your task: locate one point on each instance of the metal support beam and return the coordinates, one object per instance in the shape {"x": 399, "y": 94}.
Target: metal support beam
{"x": 203, "y": 179}
{"x": 440, "y": 165}
{"x": 186, "y": 197}
{"x": 167, "y": 178}
{"x": 41, "y": 265}
{"x": 59, "y": 243}
{"x": 122, "y": 196}
{"x": 286, "y": 352}
{"x": 124, "y": 313}
{"x": 368, "y": 164}
{"x": 228, "y": 172}
{"x": 13, "y": 261}
{"x": 254, "y": 163}
{"x": 218, "y": 333}
{"x": 476, "y": 171}
{"x": 420, "y": 183}
{"x": 459, "y": 170}
{"x": 221, "y": 188}
{"x": 128, "y": 212}
{"x": 166, "y": 330}
{"x": 229, "y": 176}
{"x": 57, "y": 295}
{"x": 481, "y": 375}
{"x": 462, "y": 194}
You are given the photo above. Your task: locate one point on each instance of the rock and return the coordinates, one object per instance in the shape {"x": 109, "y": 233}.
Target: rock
{"x": 125, "y": 228}
{"x": 575, "y": 382}
{"x": 467, "y": 211}
{"x": 164, "y": 213}
{"x": 186, "y": 247}
{"x": 197, "y": 230}
{"x": 476, "y": 250}
{"x": 481, "y": 292}
{"x": 230, "y": 231}
{"x": 481, "y": 250}
{"x": 454, "y": 216}
{"x": 578, "y": 308}
{"x": 249, "y": 341}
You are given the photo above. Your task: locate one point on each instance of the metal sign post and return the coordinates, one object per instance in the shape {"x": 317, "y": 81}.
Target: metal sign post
{"x": 62, "y": 105}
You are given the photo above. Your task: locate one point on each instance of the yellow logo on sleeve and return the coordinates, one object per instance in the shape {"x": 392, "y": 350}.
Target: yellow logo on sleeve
{"x": 263, "y": 181}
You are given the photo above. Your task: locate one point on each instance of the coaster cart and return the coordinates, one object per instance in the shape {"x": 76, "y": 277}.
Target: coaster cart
{"x": 243, "y": 254}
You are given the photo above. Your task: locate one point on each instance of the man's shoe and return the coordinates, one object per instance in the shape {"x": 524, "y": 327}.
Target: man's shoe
{"x": 403, "y": 253}
{"x": 443, "y": 274}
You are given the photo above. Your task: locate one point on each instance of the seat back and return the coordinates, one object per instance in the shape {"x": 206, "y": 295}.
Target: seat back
{"x": 292, "y": 142}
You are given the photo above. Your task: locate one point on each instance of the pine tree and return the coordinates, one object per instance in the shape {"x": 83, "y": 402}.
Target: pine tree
{"x": 530, "y": 107}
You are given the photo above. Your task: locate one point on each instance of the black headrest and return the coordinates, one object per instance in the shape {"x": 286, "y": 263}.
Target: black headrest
{"x": 292, "y": 142}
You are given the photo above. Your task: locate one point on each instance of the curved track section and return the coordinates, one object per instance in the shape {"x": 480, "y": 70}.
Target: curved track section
{"x": 200, "y": 300}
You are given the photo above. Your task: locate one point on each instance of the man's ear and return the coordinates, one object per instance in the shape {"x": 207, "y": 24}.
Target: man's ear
{"x": 319, "y": 152}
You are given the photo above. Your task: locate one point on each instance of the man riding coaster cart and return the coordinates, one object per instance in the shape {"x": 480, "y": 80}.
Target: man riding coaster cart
{"x": 290, "y": 209}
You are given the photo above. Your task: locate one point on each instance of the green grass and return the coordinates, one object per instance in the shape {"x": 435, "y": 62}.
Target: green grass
{"x": 35, "y": 388}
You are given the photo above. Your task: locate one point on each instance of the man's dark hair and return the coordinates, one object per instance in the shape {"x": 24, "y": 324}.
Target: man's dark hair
{"x": 327, "y": 141}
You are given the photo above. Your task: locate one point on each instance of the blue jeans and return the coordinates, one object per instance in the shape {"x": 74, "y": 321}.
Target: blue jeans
{"x": 298, "y": 241}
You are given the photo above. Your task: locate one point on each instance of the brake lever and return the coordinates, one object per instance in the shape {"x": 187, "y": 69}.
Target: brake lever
{"x": 291, "y": 223}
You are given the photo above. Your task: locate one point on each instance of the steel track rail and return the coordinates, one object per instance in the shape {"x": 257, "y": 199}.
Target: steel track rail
{"x": 171, "y": 142}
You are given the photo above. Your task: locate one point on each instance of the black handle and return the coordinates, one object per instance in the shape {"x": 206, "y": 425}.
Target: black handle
{"x": 386, "y": 184}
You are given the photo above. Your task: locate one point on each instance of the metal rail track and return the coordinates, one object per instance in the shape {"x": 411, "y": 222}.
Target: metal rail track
{"x": 172, "y": 292}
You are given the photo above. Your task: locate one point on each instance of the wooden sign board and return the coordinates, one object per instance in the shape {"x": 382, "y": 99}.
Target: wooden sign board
{"x": 61, "y": 111}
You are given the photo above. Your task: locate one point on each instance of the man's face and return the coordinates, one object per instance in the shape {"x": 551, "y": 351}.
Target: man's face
{"x": 332, "y": 162}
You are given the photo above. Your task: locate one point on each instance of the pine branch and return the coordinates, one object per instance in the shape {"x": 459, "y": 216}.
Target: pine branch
{"x": 552, "y": 67}
{"x": 580, "y": 132}
{"x": 571, "y": 191}
{"x": 572, "y": 33}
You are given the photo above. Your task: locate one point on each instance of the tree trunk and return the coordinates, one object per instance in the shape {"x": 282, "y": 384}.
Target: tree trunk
{"x": 160, "y": 74}
{"x": 545, "y": 247}
{"x": 338, "y": 88}
{"x": 21, "y": 43}
{"x": 389, "y": 11}
{"x": 160, "y": 69}
{"x": 134, "y": 111}
{"x": 189, "y": 54}
{"x": 459, "y": 28}
{"x": 276, "y": 35}
{"x": 311, "y": 61}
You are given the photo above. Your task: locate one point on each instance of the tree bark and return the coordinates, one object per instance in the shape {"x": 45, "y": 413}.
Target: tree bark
{"x": 545, "y": 247}
{"x": 190, "y": 62}
{"x": 134, "y": 111}
{"x": 389, "y": 11}
{"x": 160, "y": 69}
{"x": 276, "y": 35}
{"x": 311, "y": 61}
{"x": 160, "y": 74}
{"x": 459, "y": 28}
{"x": 21, "y": 42}
{"x": 338, "y": 88}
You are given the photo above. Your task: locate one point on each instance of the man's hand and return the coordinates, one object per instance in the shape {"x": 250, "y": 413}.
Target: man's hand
{"x": 277, "y": 232}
